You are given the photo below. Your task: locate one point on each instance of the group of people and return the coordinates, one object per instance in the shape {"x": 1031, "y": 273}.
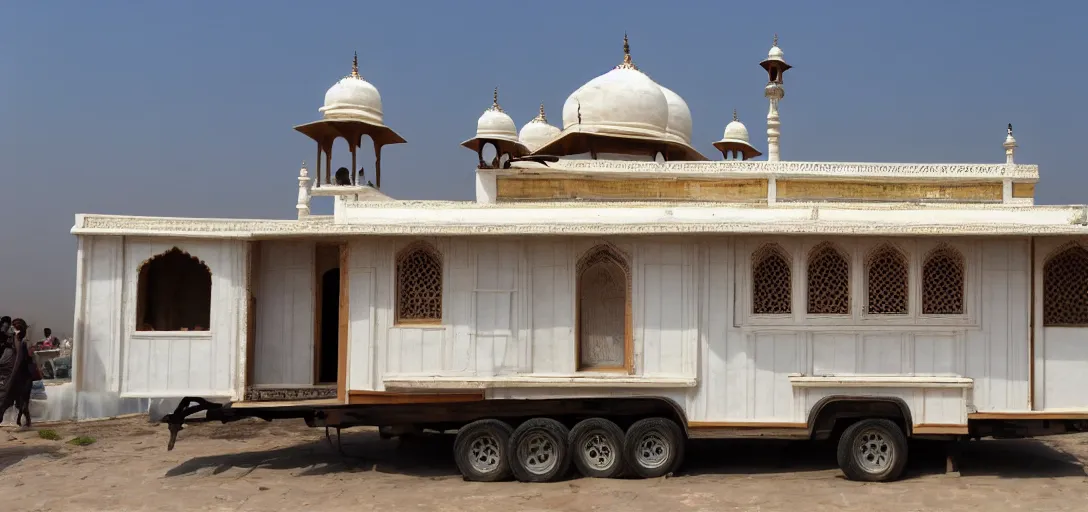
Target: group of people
{"x": 18, "y": 371}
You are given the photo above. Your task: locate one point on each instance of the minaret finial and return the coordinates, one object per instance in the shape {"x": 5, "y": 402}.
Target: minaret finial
{"x": 627, "y": 63}
{"x": 734, "y": 114}
{"x": 495, "y": 101}
{"x": 1010, "y": 129}
{"x": 541, "y": 117}
{"x": 775, "y": 42}
{"x": 355, "y": 65}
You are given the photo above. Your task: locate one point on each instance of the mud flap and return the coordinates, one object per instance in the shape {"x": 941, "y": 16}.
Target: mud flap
{"x": 184, "y": 409}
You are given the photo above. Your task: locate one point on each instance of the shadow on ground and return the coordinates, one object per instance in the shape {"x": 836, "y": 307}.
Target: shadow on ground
{"x": 431, "y": 456}
{"x": 11, "y": 455}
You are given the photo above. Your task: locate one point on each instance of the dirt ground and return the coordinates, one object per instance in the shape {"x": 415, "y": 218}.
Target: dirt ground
{"x": 286, "y": 466}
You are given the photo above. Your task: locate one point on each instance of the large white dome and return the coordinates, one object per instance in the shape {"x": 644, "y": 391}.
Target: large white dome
{"x": 679, "y": 127}
{"x": 353, "y": 98}
{"x": 537, "y": 132}
{"x": 623, "y": 101}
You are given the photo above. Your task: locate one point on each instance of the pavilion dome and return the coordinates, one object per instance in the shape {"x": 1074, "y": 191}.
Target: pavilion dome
{"x": 537, "y": 132}
{"x": 735, "y": 131}
{"x": 679, "y": 126}
{"x": 353, "y": 98}
{"x": 623, "y": 102}
{"x": 496, "y": 124}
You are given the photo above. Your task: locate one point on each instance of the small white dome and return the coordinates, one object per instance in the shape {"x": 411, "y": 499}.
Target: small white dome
{"x": 538, "y": 132}
{"x": 623, "y": 101}
{"x": 736, "y": 131}
{"x": 679, "y": 127}
{"x": 353, "y": 98}
{"x": 775, "y": 53}
{"x": 496, "y": 124}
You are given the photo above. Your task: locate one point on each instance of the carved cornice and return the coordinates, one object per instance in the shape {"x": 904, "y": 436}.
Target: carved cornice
{"x": 796, "y": 169}
{"x": 245, "y": 229}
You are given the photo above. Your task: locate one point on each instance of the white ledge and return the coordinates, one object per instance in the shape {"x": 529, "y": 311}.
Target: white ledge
{"x": 865, "y": 381}
{"x": 530, "y": 381}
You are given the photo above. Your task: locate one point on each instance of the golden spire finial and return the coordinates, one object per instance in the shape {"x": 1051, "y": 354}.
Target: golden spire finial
{"x": 627, "y": 63}
{"x": 495, "y": 101}
{"x": 775, "y": 42}
{"x": 734, "y": 114}
{"x": 541, "y": 117}
{"x": 355, "y": 65}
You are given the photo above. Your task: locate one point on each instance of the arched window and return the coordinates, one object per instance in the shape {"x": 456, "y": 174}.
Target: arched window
{"x": 604, "y": 283}
{"x": 771, "y": 281}
{"x": 1065, "y": 288}
{"x": 828, "y": 281}
{"x": 419, "y": 285}
{"x": 942, "y": 282}
{"x": 886, "y": 278}
{"x": 174, "y": 293}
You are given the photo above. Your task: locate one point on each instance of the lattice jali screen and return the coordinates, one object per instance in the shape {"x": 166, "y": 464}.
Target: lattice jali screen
{"x": 419, "y": 285}
{"x": 886, "y": 275}
{"x": 942, "y": 282}
{"x": 771, "y": 282}
{"x": 828, "y": 282}
{"x": 1065, "y": 288}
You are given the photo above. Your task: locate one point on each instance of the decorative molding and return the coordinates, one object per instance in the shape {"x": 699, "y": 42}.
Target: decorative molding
{"x": 798, "y": 169}
{"x": 546, "y": 224}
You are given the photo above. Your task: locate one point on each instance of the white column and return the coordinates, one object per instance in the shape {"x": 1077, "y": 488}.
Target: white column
{"x": 303, "y": 204}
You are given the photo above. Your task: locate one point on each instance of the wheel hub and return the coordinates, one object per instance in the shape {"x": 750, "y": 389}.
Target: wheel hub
{"x": 485, "y": 454}
{"x": 538, "y": 453}
{"x": 598, "y": 452}
{"x": 653, "y": 451}
{"x": 873, "y": 452}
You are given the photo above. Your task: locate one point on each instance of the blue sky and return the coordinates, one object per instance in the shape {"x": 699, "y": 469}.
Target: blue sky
{"x": 186, "y": 108}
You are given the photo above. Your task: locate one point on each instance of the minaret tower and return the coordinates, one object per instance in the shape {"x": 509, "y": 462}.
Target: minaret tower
{"x": 776, "y": 66}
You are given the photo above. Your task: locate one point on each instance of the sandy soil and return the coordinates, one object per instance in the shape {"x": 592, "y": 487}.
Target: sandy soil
{"x": 286, "y": 466}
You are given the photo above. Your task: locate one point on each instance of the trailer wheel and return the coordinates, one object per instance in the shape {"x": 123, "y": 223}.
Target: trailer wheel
{"x": 596, "y": 445}
{"x": 872, "y": 450}
{"x": 539, "y": 451}
{"x": 480, "y": 451}
{"x": 653, "y": 447}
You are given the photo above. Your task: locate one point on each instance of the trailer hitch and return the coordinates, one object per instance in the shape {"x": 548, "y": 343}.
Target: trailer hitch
{"x": 176, "y": 419}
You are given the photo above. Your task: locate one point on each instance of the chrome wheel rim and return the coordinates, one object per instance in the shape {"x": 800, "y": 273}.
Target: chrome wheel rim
{"x": 538, "y": 453}
{"x": 652, "y": 451}
{"x": 485, "y": 453}
{"x": 598, "y": 451}
{"x": 873, "y": 451}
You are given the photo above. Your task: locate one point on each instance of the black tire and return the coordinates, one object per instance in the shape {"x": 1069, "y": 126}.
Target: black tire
{"x": 480, "y": 451}
{"x": 538, "y": 451}
{"x": 653, "y": 447}
{"x": 873, "y": 450}
{"x": 596, "y": 447}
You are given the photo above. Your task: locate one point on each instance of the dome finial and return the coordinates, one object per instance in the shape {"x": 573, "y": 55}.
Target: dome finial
{"x": 1010, "y": 129}
{"x": 495, "y": 101}
{"x": 627, "y": 63}
{"x": 541, "y": 117}
{"x": 355, "y": 66}
{"x": 734, "y": 114}
{"x": 775, "y": 42}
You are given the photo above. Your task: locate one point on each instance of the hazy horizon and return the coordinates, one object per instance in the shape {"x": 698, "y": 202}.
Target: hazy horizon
{"x": 186, "y": 109}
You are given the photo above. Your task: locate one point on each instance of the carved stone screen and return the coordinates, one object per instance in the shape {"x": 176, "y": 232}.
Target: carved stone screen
{"x": 174, "y": 293}
{"x": 602, "y": 311}
{"x": 1065, "y": 288}
{"x": 771, "y": 282}
{"x": 887, "y": 282}
{"x": 419, "y": 285}
{"x": 828, "y": 282}
{"x": 942, "y": 283}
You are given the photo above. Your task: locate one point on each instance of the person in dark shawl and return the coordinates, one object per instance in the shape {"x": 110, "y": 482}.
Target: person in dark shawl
{"x": 17, "y": 371}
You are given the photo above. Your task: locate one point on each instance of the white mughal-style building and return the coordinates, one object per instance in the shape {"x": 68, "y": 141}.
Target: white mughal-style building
{"x": 607, "y": 257}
